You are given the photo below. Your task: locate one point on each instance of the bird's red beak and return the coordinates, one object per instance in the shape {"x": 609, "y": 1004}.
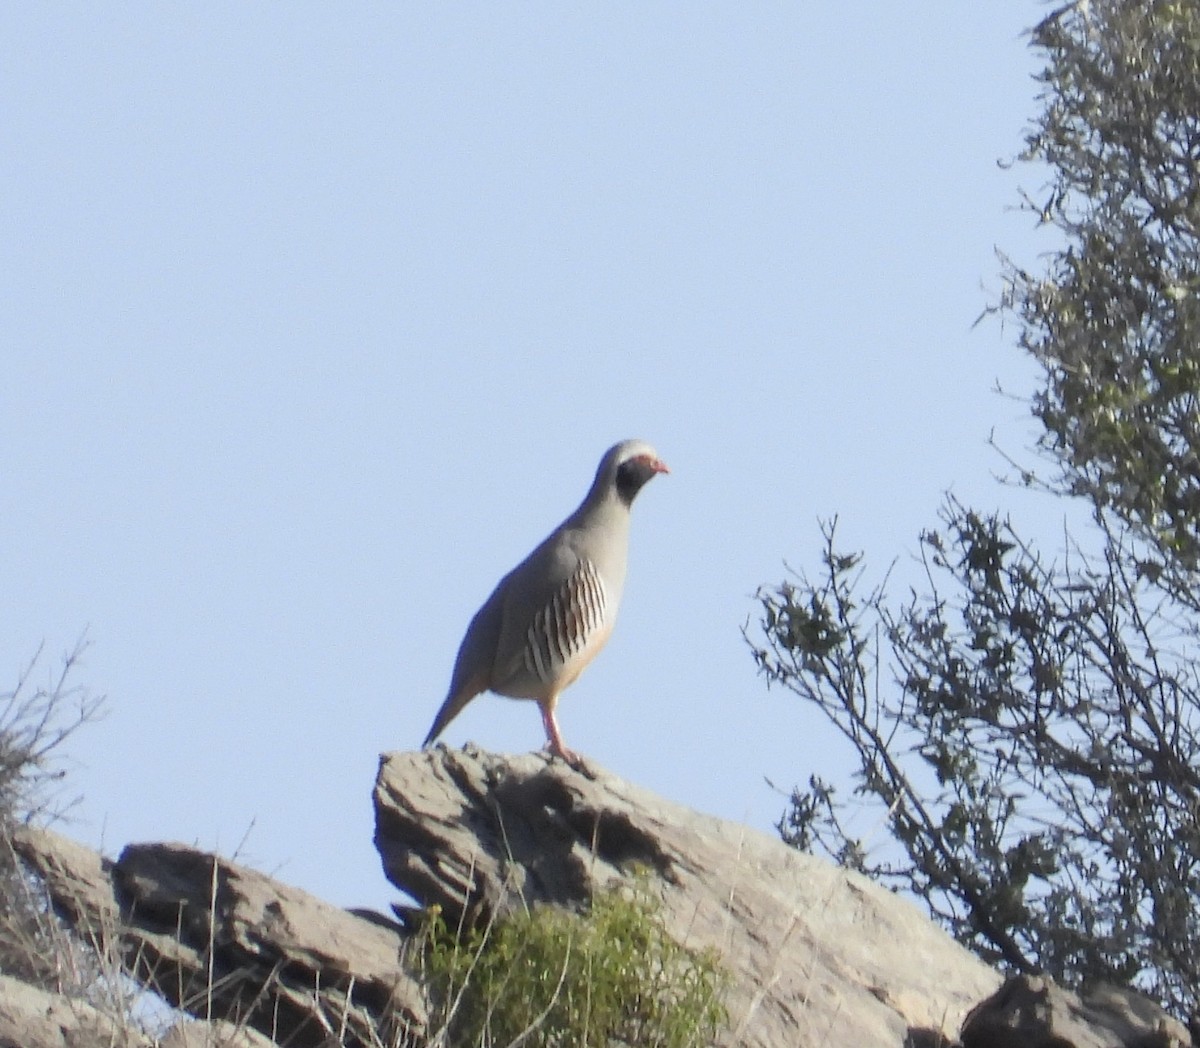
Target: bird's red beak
{"x": 658, "y": 465}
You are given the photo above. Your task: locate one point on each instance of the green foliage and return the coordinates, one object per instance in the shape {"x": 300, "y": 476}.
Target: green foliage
{"x": 1031, "y": 730}
{"x": 550, "y": 977}
{"x": 1115, "y": 322}
{"x": 1035, "y": 747}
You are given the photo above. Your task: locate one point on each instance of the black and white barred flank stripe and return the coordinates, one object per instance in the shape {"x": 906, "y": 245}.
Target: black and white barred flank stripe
{"x": 563, "y": 628}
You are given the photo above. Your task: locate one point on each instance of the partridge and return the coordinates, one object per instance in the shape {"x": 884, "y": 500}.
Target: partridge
{"x": 549, "y": 616}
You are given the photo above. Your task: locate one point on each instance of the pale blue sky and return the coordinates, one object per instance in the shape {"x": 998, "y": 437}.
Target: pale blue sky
{"x": 316, "y": 318}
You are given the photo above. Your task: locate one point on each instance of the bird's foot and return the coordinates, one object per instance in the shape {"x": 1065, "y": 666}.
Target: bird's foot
{"x": 570, "y": 757}
{"x": 554, "y": 742}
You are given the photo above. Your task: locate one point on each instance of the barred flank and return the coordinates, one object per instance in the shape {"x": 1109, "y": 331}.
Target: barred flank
{"x": 562, "y": 629}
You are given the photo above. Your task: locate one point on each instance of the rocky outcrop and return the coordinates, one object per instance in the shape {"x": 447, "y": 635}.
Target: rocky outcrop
{"x": 817, "y": 955}
{"x": 1032, "y": 1012}
{"x": 215, "y": 939}
{"x": 31, "y": 1017}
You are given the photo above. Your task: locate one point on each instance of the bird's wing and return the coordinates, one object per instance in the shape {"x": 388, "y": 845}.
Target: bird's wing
{"x": 555, "y": 612}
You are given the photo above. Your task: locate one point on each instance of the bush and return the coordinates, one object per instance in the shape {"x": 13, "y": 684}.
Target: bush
{"x": 551, "y": 977}
{"x": 34, "y": 722}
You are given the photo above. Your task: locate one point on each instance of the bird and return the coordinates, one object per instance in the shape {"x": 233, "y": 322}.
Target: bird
{"x": 548, "y": 618}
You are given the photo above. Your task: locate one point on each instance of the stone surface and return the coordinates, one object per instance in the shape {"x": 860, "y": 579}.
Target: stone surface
{"x": 215, "y": 1034}
{"x": 34, "y": 1018}
{"x": 216, "y": 939}
{"x": 818, "y": 955}
{"x": 1032, "y": 1012}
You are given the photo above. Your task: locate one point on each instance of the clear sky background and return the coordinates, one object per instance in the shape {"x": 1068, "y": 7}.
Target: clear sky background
{"x": 314, "y": 319}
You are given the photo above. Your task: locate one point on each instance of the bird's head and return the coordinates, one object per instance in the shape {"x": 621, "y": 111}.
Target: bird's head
{"x": 626, "y": 468}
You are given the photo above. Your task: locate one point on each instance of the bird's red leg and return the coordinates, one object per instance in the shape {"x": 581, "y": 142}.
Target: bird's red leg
{"x": 554, "y": 737}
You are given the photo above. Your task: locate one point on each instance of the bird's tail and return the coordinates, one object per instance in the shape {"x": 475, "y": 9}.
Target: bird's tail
{"x": 451, "y": 708}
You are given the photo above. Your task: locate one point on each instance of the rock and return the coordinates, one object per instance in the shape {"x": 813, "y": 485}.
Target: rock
{"x": 31, "y": 1017}
{"x": 216, "y": 1034}
{"x": 216, "y": 939}
{"x": 818, "y": 954}
{"x": 1032, "y": 1012}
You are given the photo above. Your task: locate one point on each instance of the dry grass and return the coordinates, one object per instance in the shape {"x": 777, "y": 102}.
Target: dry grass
{"x": 36, "y": 947}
